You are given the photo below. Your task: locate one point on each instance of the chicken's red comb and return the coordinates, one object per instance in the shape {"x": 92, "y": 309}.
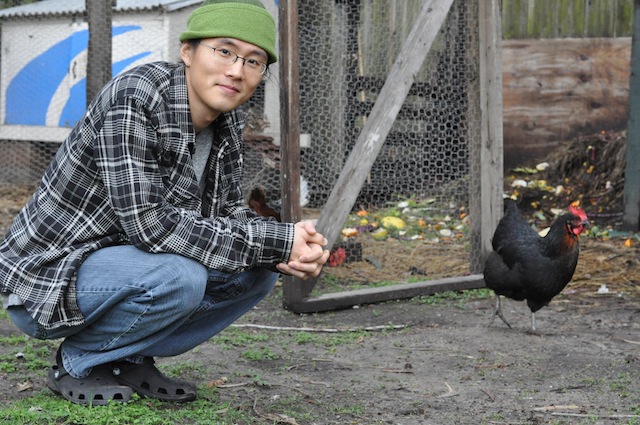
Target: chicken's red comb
{"x": 575, "y": 209}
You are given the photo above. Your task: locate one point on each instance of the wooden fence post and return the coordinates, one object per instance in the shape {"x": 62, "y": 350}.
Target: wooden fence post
{"x": 290, "y": 125}
{"x": 99, "y": 17}
{"x": 487, "y": 188}
{"x": 631, "y": 217}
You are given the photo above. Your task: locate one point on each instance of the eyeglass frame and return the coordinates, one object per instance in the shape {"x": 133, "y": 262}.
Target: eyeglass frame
{"x": 265, "y": 66}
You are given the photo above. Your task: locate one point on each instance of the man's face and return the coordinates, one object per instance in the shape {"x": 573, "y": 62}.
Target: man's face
{"x": 214, "y": 84}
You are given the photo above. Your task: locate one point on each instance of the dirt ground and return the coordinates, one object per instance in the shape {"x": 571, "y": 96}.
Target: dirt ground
{"x": 431, "y": 363}
{"x": 441, "y": 364}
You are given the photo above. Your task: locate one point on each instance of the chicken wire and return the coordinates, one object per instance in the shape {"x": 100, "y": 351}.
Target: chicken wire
{"x": 346, "y": 49}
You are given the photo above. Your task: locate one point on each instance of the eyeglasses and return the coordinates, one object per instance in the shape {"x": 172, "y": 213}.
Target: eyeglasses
{"x": 227, "y": 57}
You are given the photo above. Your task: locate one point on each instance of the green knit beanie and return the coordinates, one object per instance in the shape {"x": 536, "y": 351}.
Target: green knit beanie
{"x": 246, "y": 20}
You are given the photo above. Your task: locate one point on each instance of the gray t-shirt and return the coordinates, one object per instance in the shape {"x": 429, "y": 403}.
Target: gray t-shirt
{"x": 204, "y": 140}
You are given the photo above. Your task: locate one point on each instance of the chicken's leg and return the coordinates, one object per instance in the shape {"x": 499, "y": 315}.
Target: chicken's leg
{"x": 498, "y": 312}
{"x": 533, "y": 322}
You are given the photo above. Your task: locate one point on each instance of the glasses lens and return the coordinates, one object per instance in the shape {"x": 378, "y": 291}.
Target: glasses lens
{"x": 228, "y": 58}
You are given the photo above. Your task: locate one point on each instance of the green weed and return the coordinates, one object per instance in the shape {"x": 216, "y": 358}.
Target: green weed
{"x": 47, "y": 409}
{"x": 260, "y": 354}
{"x": 460, "y": 298}
{"x": 27, "y": 353}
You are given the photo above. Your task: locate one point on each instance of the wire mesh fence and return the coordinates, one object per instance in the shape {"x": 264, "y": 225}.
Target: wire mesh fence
{"x": 347, "y": 50}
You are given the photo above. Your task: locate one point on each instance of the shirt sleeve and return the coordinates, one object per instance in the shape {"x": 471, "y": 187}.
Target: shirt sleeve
{"x": 149, "y": 191}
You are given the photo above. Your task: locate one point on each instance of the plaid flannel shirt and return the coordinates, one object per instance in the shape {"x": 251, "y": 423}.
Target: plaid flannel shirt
{"x": 124, "y": 175}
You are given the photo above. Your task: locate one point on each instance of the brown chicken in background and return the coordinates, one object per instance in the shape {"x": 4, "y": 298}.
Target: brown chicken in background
{"x": 525, "y": 266}
{"x": 259, "y": 203}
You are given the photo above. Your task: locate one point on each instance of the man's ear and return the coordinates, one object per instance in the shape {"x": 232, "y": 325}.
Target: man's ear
{"x": 186, "y": 51}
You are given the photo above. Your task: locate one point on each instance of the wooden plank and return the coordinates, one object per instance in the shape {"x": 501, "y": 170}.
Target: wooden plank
{"x": 99, "y": 51}
{"x": 290, "y": 114}
{"x": 486, "y": 200}
{"x": 392, "y": 95}
{"x": 346, "y": 299}
{"x": 532, "y": 19}
{"x": 290, "y": 124}
{"x": 631, "y": 217}
{"x": 557, "y": 90}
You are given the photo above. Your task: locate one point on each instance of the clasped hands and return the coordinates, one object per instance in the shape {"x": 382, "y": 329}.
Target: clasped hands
{"x": 308, "y": 253}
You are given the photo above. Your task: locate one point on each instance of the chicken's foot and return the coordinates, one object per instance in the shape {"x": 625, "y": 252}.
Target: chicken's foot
{"x": 498, "y": 312}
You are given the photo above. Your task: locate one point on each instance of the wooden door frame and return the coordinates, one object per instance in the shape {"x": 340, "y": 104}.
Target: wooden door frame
{"x": 485, "y": 188}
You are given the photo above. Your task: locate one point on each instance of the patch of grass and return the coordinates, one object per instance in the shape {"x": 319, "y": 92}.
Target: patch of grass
{"x": 306, "y": 338}
{"x": 238, "y": 337}
{"x": 328, "y": 283}
{"x": 246, "y": 338}
{"x": 354, "y": 410}
{"x": 459, "y": 298}
{"x": 47, "y": 409}
{"x": 292, "y": 406}
{"x": 620, "y": 384}
{"x": 27, "y": 353}
{"x": 183, "y": 369}
{"x": 343, "y": 338}
{"x": 260, "y": 354}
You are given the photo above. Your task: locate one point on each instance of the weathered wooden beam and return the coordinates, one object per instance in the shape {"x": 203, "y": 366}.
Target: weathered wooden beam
{"x": 631, "y": 217}
{"x": 558, "y": 90}
{"x": 392, "y": 95}
{"x": 346, "y": 299}
{"x": 290, "y": 114}
{"x": 99, "y": 18}
{"x": 486, "y": 189}
{"x": 290, "y": 124}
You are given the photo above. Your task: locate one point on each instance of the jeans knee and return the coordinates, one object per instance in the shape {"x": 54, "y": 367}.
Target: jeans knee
{"x": 264, "y": 281}
{"x": 186, "y": 280}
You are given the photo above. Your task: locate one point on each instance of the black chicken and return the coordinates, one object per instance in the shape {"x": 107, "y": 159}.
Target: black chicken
{"x": 525, "y": 266}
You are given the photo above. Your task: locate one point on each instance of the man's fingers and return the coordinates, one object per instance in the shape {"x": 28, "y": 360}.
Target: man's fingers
{"x": 286, "y": 269}
{"x": 317, "y": 252}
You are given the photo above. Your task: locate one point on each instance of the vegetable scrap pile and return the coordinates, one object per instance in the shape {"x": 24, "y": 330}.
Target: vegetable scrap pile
{"x": 414, "y": 240}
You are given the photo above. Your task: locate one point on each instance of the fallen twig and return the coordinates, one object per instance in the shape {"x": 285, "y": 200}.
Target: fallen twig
{"x": 449, "y": 393}
{"x": 552, "y": 408}
{"x": 589, "y": 415}
{"x": 570, "y": 387}
{"x": 326, "y": 330}
{"x": 598, "y": 344}
{"x": 492, "y": 366}
{"x": 24, "y": 386}
{"x": 295, "y": 366}
{"x": 242, "y": 384}
{"x": 488, "y": 393}
{"x": 318, "y": 383}
{"x": 397, "y": 370}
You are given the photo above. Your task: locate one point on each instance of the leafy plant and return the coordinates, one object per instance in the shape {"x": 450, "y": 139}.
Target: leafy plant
{"x": 260, "y": 354}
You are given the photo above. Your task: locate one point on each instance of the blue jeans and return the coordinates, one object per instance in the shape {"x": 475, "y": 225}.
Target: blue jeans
{"x": 138, "y": 304}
